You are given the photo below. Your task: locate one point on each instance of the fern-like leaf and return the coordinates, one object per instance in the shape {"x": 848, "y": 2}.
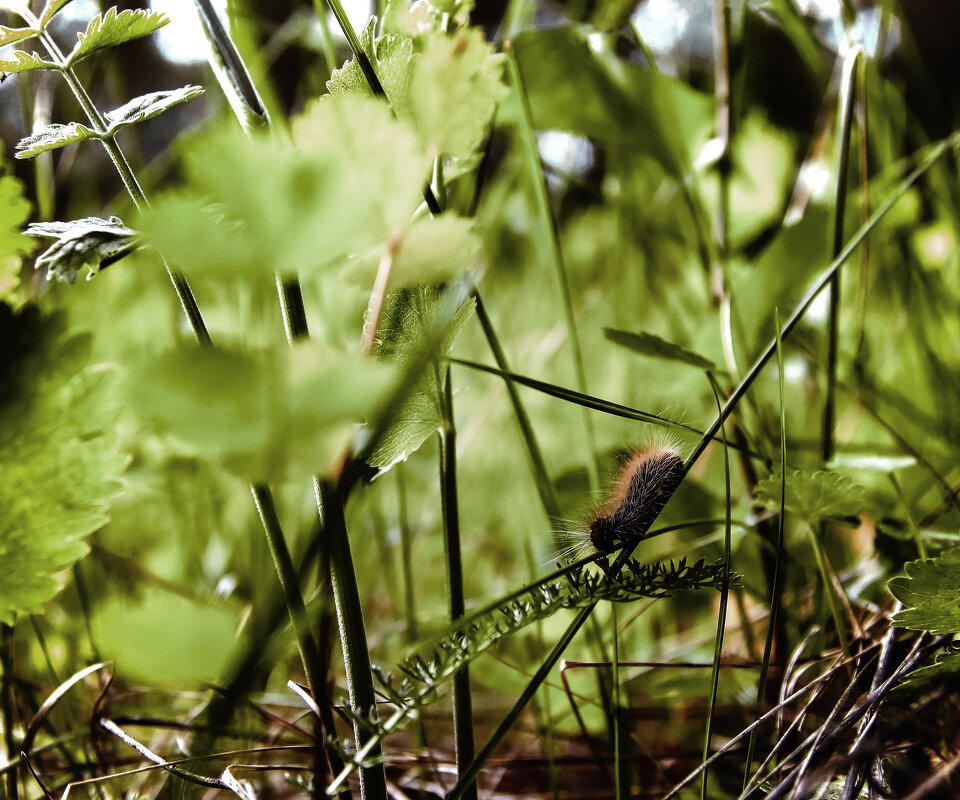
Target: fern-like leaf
{"x": 112, "y": 28}
{"x": 58, "y": 455}
{"x": 22, "y": 61}
{"x": 137, "y": 110}
{"x": 11, "y": 35}
{"x": 50, "y": 10}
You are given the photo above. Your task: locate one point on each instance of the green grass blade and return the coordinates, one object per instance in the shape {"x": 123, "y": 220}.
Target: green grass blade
{"x": 462, "y": 706}
{"x": 724, "y": 597}
{"x": 778, "y": 563}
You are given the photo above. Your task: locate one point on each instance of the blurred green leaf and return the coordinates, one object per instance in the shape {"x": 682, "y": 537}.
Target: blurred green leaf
{"x": 164, "y": 639}
{"x": 581, "y": 88}
{"x": 457, "y": 82}
{"x": 350, "y": 180}
{"x": 929, "y": 593}
{"x": 649, "y": 344}
{"x": 431, "y": 250}
{"x": 14, "y": 210}
{"x": 58, "y": 455}
{"x": 263, "y": 415}
{"x": 813, "y": 495}
{"x": 112, "y": 28}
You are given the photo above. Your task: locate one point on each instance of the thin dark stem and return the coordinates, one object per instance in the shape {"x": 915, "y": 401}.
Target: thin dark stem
{"x": 462, "y": 704}
{"x": 356, "y": 656}
{"x": 7, "y": 708}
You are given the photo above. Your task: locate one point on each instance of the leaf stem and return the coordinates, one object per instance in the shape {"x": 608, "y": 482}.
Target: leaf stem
{"x": 356, "y": 656}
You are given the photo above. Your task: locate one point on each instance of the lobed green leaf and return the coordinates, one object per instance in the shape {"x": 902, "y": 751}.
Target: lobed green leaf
{"x": 457, "y": 82}
{"x": 929, "y": 593}
{"x": 813, "y": 495}
{"x": 112, "y": 28}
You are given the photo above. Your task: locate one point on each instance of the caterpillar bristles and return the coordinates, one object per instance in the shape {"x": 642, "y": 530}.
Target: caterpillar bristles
{"x": 643, "y": 486}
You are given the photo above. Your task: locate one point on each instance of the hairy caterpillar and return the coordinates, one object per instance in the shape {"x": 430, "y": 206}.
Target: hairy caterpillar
{"x": 641, "y": 490}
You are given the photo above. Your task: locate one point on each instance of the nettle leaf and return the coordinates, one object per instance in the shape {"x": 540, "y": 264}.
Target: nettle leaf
{"x": 82, "y": 243}
{"x": 813, "y": 495}
{"x": 652, "y": 345}
{"x": 58, "y": 455}
{"x": 351, "y": 178}
{"x": 392, "y": 58}
{"x": 52, "y": 137}
{"x": 14, "y": 210}
{"x": 430, "y": 250}
{"x": 457, "y": 82}
{"x": 946, "y": 666}
{"x": 11, "y": 35}
{"x": 263, "y": 415}
{"x": 111, "y": 28}
{"x": 22, "y": 61}
{"x": 929, "y": 593}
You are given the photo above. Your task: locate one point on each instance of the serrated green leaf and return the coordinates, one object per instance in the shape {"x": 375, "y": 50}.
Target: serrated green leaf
{"x": 52, "y": 137}
{"x": 14, "y": 210}
{"x": 945, "y": 667}
{"x": 457, "y": 82}
{"x": 649, "y": 344}
{"x": 21, "y": 61}
{"x": 112, "y": 28}
{"x": 929, "y": 592}
{"x": 431, "y": 250}
{"x": 148, "y": 106}
{"x": 58, "y": 455}
{"x": 392, "y": 58}
{"x": 813, "y": 495}
{"x": 50, "y": 10}
{"x": 82, "y": 243}
{"x": 262, "y": 415}
{"x": 11, "y": 35}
